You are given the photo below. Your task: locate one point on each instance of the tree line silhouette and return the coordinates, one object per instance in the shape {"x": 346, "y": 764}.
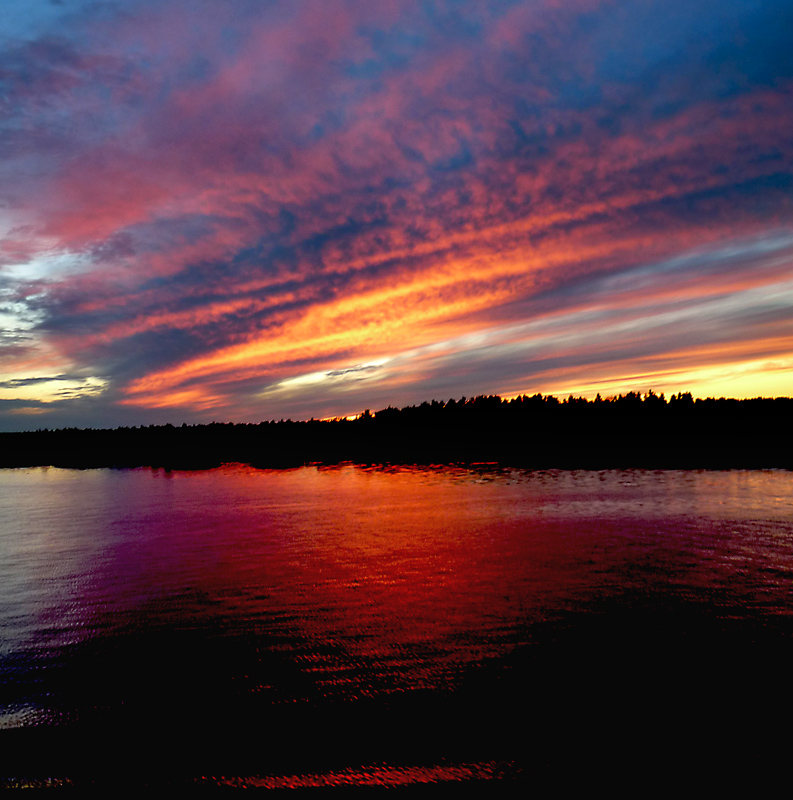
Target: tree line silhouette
{"x": 538, "y": 431}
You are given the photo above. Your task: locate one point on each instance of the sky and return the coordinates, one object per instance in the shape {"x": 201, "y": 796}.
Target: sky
{"x": 265, "y": 209}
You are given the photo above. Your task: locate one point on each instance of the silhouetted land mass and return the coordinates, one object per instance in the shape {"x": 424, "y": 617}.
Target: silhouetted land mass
{"x": 539, "y": 432}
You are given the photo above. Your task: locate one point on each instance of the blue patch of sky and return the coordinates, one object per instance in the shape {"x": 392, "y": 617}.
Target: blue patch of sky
{"x": 393, "y": 50}
{"x": 461, "y": 159}
{"x": 693, "y": 51}
{"x": 30, "y": 19}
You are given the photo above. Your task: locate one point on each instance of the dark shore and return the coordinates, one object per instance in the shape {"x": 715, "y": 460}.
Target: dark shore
{"x": 538, "y": 432}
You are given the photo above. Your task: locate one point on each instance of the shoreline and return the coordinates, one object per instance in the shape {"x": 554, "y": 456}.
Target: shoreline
{"x": 527, "y": 433}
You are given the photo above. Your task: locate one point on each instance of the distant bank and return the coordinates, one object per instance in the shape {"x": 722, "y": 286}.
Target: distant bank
{"x": 537, "y": 432}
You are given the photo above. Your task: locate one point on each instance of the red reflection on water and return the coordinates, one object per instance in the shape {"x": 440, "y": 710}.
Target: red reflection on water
{"x": 346, "y": 583}
{"x": 379, "y": 775}
{"x": 392, "y": 580}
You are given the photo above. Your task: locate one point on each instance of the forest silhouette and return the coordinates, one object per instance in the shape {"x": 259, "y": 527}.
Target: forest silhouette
{"x": 535, "y": 432}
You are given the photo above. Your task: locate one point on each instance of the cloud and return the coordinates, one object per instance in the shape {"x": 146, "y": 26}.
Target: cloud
{"x": 204, "y": 201}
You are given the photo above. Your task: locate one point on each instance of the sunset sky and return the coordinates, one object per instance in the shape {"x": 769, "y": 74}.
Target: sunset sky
{"x": 256, "y": 209}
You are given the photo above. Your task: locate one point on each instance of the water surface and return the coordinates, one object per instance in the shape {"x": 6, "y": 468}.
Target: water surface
{"x": 297, "y": 621}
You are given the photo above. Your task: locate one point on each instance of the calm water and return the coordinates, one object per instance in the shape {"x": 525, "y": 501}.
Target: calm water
{"x": 292, "y": 625}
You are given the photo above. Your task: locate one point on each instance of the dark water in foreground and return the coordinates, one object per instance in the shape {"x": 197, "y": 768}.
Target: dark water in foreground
{"x": 345, "y": 625}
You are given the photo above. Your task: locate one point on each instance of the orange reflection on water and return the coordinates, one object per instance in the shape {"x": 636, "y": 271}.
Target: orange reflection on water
{"x": 390, "y": 580}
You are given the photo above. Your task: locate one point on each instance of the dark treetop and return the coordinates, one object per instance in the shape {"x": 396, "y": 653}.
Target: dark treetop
{"x": 532, "y": 432}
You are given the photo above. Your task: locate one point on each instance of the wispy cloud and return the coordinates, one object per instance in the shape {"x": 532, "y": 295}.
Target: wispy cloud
{"x": 204, "y": 203}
